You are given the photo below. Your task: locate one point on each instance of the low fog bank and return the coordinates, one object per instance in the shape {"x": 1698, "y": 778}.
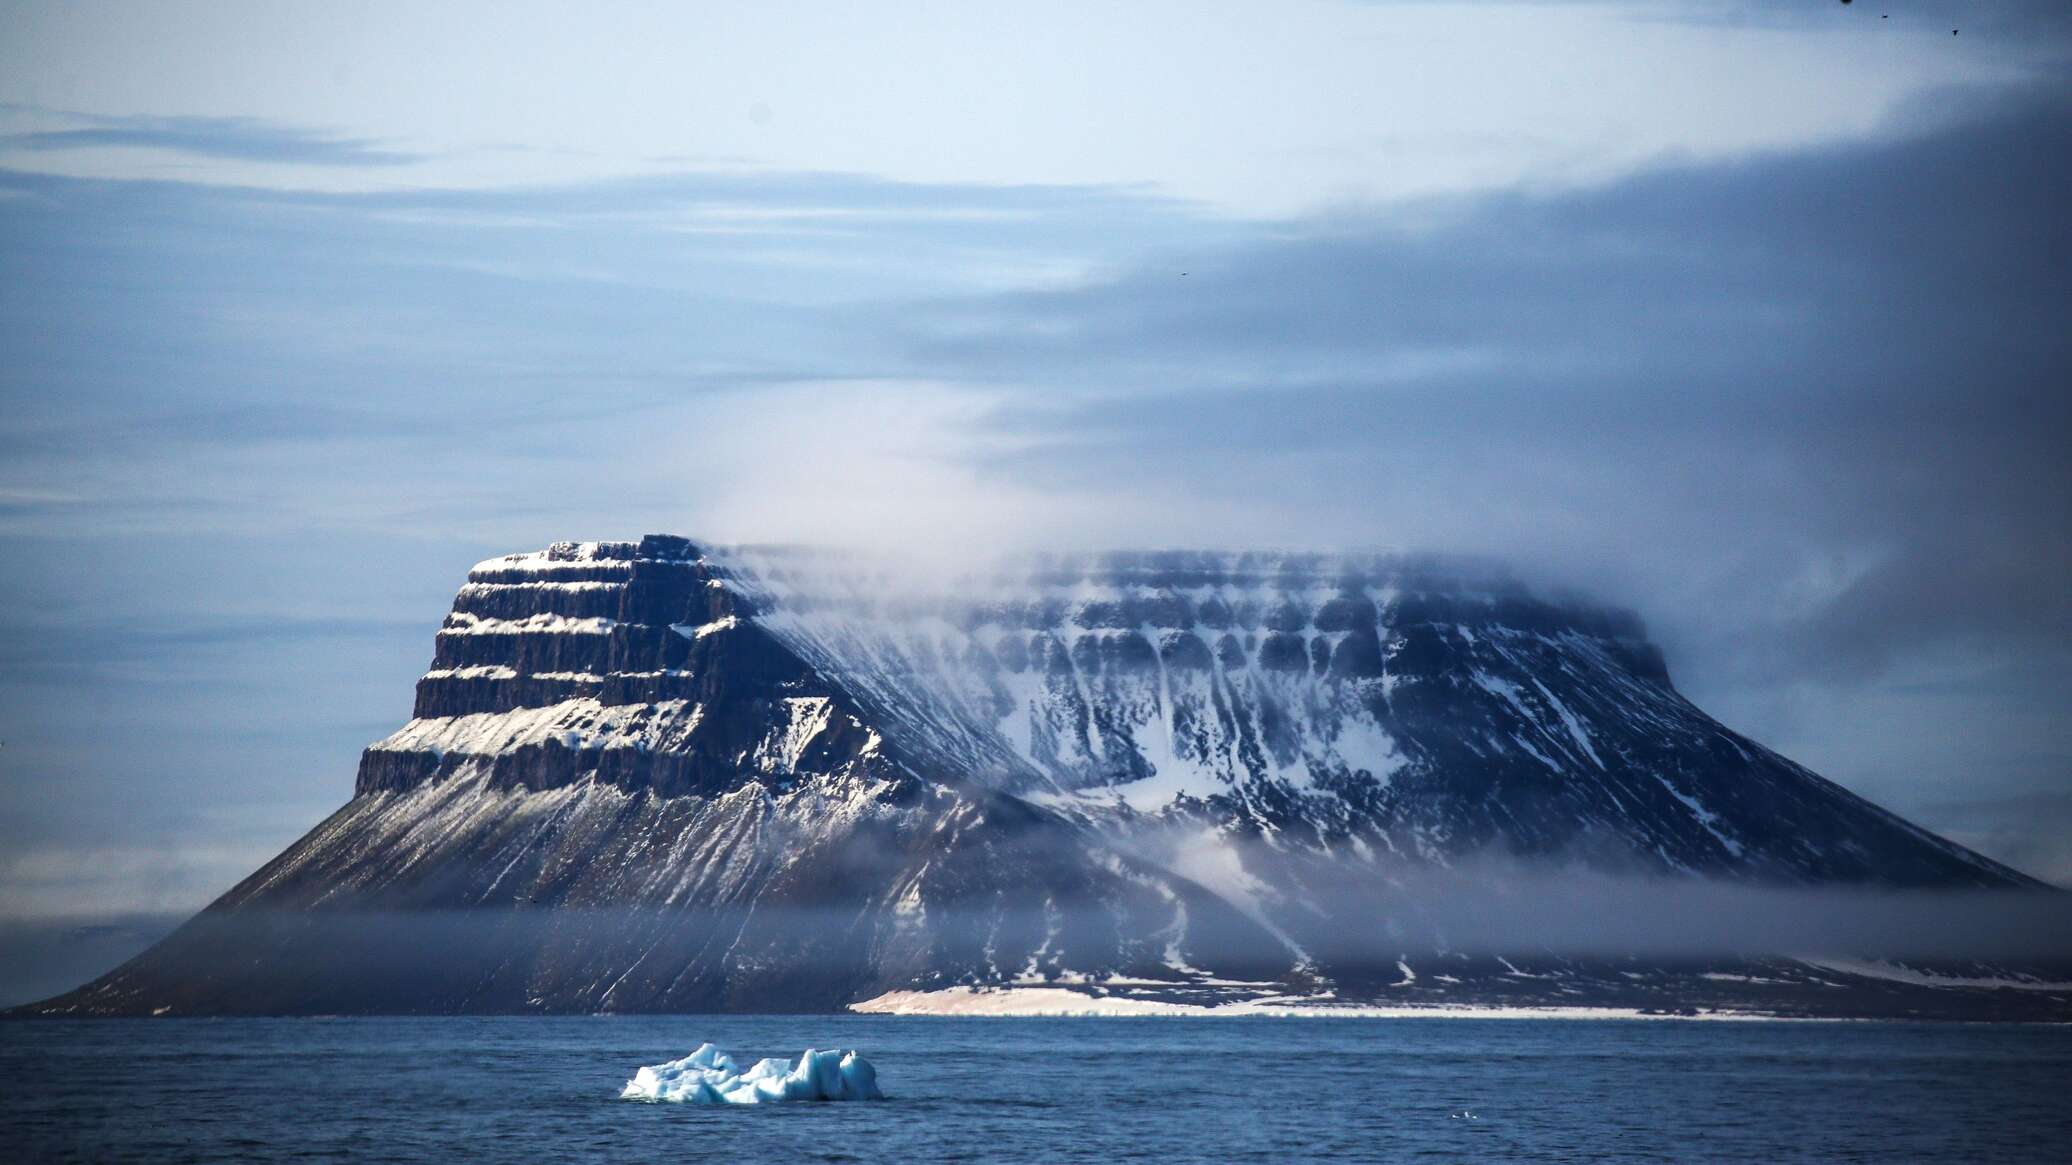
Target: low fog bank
{"x": 40, "y": 957}
{"x": 1343, "y": 929}
{"x": 1359, "y": 911}
{"x": 1585, "y": 915}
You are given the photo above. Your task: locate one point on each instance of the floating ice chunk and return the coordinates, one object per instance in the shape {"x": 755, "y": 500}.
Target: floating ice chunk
{"x": 710, "y": 1076}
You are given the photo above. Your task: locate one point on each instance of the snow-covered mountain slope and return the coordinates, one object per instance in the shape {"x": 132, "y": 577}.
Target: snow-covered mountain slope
{"x": 657, "y": 776}
{"x": 1386, "y": 704}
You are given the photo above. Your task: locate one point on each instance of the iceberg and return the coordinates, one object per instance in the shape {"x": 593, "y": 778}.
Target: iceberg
{"x": 710, "y": 1076}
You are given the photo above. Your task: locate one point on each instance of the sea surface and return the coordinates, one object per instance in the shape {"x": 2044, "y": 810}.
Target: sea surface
{"x": 1042, "y": 1090}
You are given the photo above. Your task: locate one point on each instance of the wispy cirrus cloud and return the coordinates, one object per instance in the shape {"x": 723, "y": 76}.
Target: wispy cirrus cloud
{"x": 242, "y": 139}
{"x": 1261, "y": 109}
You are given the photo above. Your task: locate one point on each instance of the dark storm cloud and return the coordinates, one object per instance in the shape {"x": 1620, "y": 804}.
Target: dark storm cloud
{"x": 1849, "y": 363}
{"x": 240, "y": 139}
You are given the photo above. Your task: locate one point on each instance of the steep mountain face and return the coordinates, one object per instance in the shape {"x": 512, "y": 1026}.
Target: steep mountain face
{"x": 654, "y": 776}
{"x": 621, "y": 792}
{"x": 1409, "y": 706}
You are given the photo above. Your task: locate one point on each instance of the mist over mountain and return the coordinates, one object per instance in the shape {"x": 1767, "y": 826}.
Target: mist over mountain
{"x": 666, "y": 776}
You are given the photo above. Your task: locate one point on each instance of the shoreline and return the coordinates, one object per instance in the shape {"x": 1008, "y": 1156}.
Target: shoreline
{"x": 1062, "y": 1003}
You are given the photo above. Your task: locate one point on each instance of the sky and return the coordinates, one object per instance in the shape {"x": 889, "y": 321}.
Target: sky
{"x": 1751, "y": 317}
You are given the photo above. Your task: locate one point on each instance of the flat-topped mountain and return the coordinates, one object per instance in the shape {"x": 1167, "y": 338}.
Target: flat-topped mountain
{"x": 660, "y": 776}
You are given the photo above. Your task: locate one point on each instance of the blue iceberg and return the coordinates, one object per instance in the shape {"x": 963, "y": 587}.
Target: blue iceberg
{"x": 710, "y": 1076}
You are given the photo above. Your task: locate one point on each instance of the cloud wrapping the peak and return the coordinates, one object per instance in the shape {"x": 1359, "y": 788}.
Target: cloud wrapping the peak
{"x": 1805, "y": 409}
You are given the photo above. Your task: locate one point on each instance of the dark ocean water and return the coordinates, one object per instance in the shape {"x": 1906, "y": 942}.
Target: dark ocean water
{"x": 1048, "y": 1090}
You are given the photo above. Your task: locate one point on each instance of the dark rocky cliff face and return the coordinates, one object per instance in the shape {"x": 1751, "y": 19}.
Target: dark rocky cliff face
{"x": 648, "y": 776}
{"x": 627, "y": 664}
